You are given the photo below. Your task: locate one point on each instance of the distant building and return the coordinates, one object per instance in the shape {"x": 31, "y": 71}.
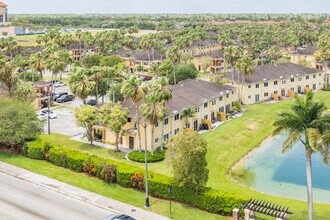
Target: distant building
{"x": 3, "y": 13}
{"x": 216, "y": 59}
{"x": 304, "y": 53}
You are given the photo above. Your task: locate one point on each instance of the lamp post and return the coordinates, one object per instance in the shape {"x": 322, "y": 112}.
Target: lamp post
{"x": 48, "y": 103}
{"x": 146, "y": 162}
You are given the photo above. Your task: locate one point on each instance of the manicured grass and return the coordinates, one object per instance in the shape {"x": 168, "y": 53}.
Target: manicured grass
{"x": 234, "y": 139}
{"x": 136, "y": 198}
{"x": 202, "y": 75}
{"x": 27, "y": 40}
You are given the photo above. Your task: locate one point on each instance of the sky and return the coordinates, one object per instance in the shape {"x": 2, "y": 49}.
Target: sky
{"x": 166, "y": 6}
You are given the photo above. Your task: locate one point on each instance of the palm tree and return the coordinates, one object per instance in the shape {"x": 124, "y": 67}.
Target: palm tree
{"x": 132, "y": 89}
{"x": 163, "y": 93}
{"x": 307, "y": 122}
{"x": 188, "y": 113}
{"x": 175, "y": 56}
{"x": 37, "y": 63}
{"x": 245, "y": 66}
{"x": 8, "y": 75}
{"x": 81, "y": 83}
{"x": 97, "y": 74}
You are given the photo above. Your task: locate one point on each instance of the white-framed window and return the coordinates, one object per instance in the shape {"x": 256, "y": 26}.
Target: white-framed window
{"x": 275, "y": 83}
{"x": 156, "y": 125}
{"x": 275, "y": 92}
{"x": 196, "y": 110}
{"x": 214, "y": 102}
{"x": 266, "y": 84}
{"x": 166, "y": 137}
{"x": 156, "y": 140}
{"x": 176, "y": 131}
{"x": 205, "y": 104}
{"x": 266, "y": 94}
{"x": 257, "y": 86}
{"x": 166, "y": 121}
{"x": 249, "y": 86}
{"x": 283, "y": 82}
{"x": 206, "y": 117}
{"x": 299, "y": 79}
{"x": 249, "y": 97}
{"x": 220, "y": 98}
{"x": 314, "y": 76}
{"x": 176, "y": 117}
{"x": 307, "y": 77}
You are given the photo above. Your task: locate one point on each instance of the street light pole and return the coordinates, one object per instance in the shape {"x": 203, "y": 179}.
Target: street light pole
{"x": 48, "y": 102}
{"x": 146, "y": 163}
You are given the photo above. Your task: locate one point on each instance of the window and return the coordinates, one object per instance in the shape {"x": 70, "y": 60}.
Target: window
{"x": 166, "y": 121}
{"x": 145, "y": 63}
{"x": 188, "y": 125}
{"x": 307, "y": 77}
{"x": 314, "y": 76}
{"x": 275, "y": 83}
{"x": 232, "y": 104}
{"x": 222, "y": 109}
{"x": 249, "y": 86}
{"x": 1, "y": 18}
{"x": 249, "y": 97}
{"x": 196, "y": 110}
{"x": 214, "y": 102}
{"x": 233, "y": 92}
{"x": 205, "y": 105}
{"x": 176, "y": 131}
{"x": 266, "y": 94}
{"x": 299, "y": 79}
{"x": 206, "y": 117}
{"x": 292, "y": 80}
{"x": 129, "y": 119}
{"x": 220, "y": 98}
{"x": 156, "y": 125}
{"x": 283, "y": 82}
{"x": 307, "y": 86}
{"x": 227, "y": 96}
{"x": 275, "y": 92}
{"x": 156, "y": 140}
{"x": 292, "y": 89}
{"x": 165, "y": 137}
{"x": 257, "y": 86}
{"x": 320, "y": 74}
{"x": 266, "y": 84}
{"x": 176, "y": 117}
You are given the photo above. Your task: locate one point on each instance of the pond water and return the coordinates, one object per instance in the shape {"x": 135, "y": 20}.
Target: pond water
{"x": 284, "y": 175}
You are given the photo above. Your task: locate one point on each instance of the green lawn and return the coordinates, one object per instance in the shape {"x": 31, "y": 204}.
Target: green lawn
{"x": 234, "y": 139}
{"x": 202, "y": 75}
{"x": 114, "y": 191}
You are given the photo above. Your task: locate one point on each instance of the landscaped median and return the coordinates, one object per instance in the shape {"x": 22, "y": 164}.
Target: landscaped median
{"x": 215, "y": 201}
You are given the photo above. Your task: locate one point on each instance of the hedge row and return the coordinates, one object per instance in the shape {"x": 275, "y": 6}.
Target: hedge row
{"x": 159, "y": 155}
{"x": 215, "y": 201}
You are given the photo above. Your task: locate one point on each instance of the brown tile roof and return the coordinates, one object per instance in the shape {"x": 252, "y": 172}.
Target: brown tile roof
{"x": 139, "y": 55}
{"x": 275, "y": 72}
{"x": 190, "y": 92}
{"x": 3, "y": 4}
{"x": 214, "y": 54}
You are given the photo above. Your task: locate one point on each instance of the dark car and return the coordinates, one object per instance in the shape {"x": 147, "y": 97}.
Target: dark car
{"x": 118, "y": 217}
{"x": 91, "y": 102}
{"x": 146, "y": 78}
{"x": 58, "y": 95}
{"x": 65, "y": 98}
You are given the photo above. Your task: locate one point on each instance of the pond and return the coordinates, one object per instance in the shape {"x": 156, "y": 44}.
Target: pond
{"x": 284, "y": 175}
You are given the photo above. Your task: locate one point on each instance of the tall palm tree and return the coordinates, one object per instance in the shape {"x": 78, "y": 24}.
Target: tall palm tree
{"x": 163, "y": 93}
{"x": 81, "y": 83}
{"x": 175, "y": 56}
{"x": 245, "y": 66}
{"x": 188, "y": 113}
{"x": 307, "y": 122}
{"x": 132, "y": 89}
{"x": 97, "y": 74}
{"x": 8, "y": 75}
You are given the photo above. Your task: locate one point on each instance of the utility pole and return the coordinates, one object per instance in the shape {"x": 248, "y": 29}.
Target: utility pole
{"x": 146, "y": 163}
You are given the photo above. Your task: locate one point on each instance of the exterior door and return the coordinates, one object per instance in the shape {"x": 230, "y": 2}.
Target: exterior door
{"x": 299, "y": 89}
{"x": 257, "y": 99}
{"x": 227, "y": 108}
{"x": 212, "y": 116}
{"x": 131, "y": 142}
{"x": 195, "y": 125}
{"x": 283, "y": 92}
{"x": 314, "y": 86}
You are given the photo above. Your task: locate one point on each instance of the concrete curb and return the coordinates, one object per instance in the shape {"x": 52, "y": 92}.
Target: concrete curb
{"x": 68, "y": 190}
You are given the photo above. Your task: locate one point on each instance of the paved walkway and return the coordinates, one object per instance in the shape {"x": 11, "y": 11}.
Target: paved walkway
{"x": 80, "y": 194}
{"x": 80, "y": 138}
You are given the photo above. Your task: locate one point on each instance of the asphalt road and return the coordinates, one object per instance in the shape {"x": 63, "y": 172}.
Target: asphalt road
{"x": 20, "y": 199}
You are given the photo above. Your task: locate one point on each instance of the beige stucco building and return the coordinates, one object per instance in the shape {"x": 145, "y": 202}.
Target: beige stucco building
{"x": 3, "y": 13}
{"x": 202, "y": 47}
{"x": 278, "y": 81}
{"x": 78, "y": 51}
{"x": 209, "y": 100}
{"x": 304, "y": 53}
{"x": 216, "y": 65}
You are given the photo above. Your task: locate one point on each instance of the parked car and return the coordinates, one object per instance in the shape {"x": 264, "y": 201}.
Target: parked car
{"x": 65, "y": 98}
{"x": 59, "y": 84}
{"x": 146, "y": 78}
{"x": 42, "y": 116}
{"x": 91, "y": 102}
{"x": 118, "y": 217}
{"x": 52, "y": 114}
{"x": 58, "y": 95}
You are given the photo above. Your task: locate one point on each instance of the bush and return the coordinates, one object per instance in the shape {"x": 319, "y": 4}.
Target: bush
{"x": 124, "y": 174}
{"x": 137, "y": 181}
{"x": 75, "y": 160}
{"x": 326, "y": 88}
{"x": 35, "y": 150}
{"x": 89, "y": 167}
{"x": 108, "y": 173}
{"x": 57, "y": 156}
{"x": 159, "y": 155}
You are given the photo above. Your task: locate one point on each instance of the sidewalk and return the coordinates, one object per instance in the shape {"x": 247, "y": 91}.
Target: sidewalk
{"x": 77, "y": 193}
{"x": 80, "y": 138}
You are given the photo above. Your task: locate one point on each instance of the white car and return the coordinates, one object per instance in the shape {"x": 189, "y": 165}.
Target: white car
{"x": 44, "y": 113}
{"x": 59, "y": 84}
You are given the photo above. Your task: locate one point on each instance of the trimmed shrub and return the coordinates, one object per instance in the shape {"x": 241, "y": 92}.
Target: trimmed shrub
{"x": 108, "y": 173}
{"x": 75, "y": 160}
{"x": 57, "y": 156}
{"x": 159, "y": 155}
{"x": 137, "y": 181}
{"x": 89, "y": 167}
{"x": 124, "y": 174}
{"x": 35, "y": 150}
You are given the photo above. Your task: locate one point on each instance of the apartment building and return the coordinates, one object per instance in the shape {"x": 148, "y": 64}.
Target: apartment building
{"x": 216, "y": 59}
{"x": 202, "y": 47}
{"x": 210, "y": 101}
{"x": 304, "y": 53}
{"x": 277, "y": 81}
{"x": 79, "y": 50}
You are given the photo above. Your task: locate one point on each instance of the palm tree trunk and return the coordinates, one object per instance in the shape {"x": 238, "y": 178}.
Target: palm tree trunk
{"x": 117, "y": 148}
{"x": 152, "y": 139}
{"x": 90, "y": 130}
{"x": 138, "y": 125}
{"x": 309, "y": 185}
{"x": 174, "y": 77}
{"x": 97, "y": 93}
